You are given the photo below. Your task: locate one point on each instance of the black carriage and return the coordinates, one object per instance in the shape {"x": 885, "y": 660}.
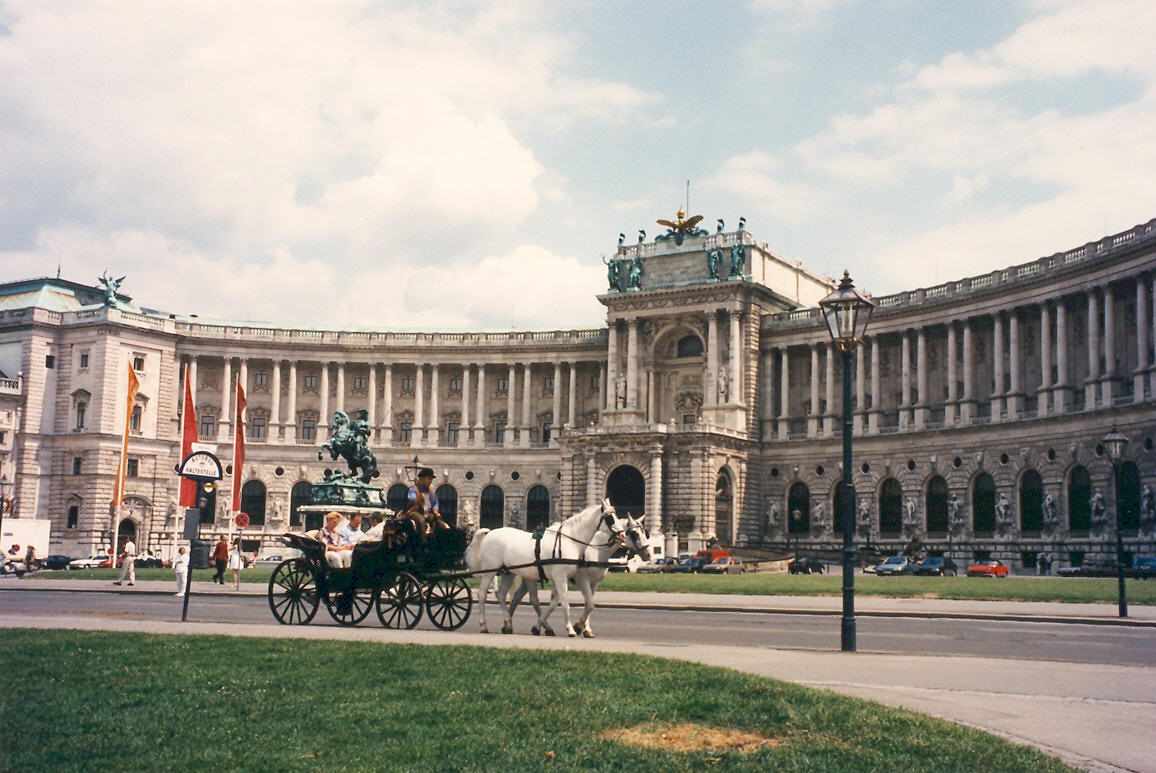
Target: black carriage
{"x": 400, "y": 576}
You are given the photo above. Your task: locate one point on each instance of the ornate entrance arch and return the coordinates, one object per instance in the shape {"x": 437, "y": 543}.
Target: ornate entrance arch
{"x": 626, "y": 490}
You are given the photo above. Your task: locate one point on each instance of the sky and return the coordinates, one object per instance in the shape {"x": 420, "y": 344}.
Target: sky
{"x": 456, "y": 165}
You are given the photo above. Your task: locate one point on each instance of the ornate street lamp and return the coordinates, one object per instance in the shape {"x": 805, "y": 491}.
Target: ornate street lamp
{"x": 847, "y": 313}
{"x": 1114, "y": 443}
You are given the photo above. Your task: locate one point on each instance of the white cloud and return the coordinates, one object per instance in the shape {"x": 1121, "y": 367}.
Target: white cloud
{"x": 756, "y": 175}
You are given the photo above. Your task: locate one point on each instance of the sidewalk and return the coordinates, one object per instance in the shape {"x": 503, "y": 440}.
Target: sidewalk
{"x": 1096, "y": 717}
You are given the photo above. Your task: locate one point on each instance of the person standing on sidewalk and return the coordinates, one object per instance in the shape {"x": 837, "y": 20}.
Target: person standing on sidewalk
{"x": 181, "y": 567}
{"x": 128, "y": 564}
{"x": 236, "y": 563}
{"x": 220, "y": 560}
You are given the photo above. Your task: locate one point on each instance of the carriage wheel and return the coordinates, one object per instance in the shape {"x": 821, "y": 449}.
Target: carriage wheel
{"x": 293, "y": 592}
{"x": 349, "y": 607}
{"x": 399, "y": 604}
{"x": 448, "y": 603}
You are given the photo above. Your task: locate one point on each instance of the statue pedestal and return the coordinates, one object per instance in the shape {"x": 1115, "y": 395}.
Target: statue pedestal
{"x": 342, "y": 496}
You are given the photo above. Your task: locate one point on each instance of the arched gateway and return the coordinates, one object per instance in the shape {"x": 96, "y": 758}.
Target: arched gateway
{"x": 627, "y": 490}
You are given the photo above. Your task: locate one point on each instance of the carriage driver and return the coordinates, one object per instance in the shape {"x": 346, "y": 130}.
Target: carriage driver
{"x": 338, "y": 548}
{"x": 423, "y": 504}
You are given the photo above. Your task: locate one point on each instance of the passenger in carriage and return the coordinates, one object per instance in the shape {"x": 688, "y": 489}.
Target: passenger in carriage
{"x": 338, "y": 549}
{"x": 423, "y": 505}
{"x": 352, "y": 529}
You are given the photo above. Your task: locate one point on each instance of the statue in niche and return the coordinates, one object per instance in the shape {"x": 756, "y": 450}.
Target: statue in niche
{"x": 1002, "y": 516}
{"x": 1099, "y": 513}
{"x": 1051, "y": 514}
{"x": 620, "y": 392}
{"x": 953, "y": 508}
{"x": 738, "y": 259}
{"x": 724, "y": 388}
{"x": 1147, "y": 511}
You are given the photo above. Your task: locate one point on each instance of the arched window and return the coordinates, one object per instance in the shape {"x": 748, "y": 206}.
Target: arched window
{"x": 890, "y": 508}
{"x": 396, "y": 498}
{"x": 448, "y": 503}
{"x": 983, "y": 504}
{"x": 537, "y": 508}
{"x": 301, "y": 495}
{"x": 253, "y": 502}
{"x": 689, "y": 346}
{"x": 799, "y": 509}
{"x": 723, "y": 509}
{"x": 1129, "y": 502}
{"x": 493, "y": 507}
{"x": 1079, "y": 494}
{"x": 1031, "y": 501}
{"x": 626, "y": 490}
{"x": 936, "y": 501}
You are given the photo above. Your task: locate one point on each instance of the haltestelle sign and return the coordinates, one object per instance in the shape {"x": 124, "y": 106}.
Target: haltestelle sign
{"x": 201, "y": 465}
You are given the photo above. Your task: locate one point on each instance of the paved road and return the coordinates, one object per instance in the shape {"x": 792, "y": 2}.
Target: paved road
{"x": 1080, "y": 689}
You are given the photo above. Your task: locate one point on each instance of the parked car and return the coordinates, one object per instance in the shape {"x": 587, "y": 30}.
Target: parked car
{"x": 658, "y": 565}
{"x": 687, "y": 566}
{"x": 17, "y": 568}
{"x": 270, "y": 560}
{"x": 990, "y": 568}
{"x": 148, "y": 562}
{"x": 1144, "y": 567}
{"x": 725, "y": 565}
{"x": 806, "y": 565}
{"x": 95, "y": 561}
{"x": 895, "y": 565}
{"x": 56, "y": 562}
{"x": 937, "y": 566}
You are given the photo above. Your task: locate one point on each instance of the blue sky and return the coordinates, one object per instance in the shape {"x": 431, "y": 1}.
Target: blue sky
{"x": 450, "y": 165}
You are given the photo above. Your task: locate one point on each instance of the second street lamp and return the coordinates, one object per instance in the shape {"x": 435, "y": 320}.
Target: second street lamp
{"x": 847, "y": 313}
{"x": 1114, "y": 443}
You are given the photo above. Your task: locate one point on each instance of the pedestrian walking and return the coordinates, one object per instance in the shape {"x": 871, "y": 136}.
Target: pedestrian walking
{"x": 181, "y": 567}
{"x": 1042, "y": 564}
{"x": 220, "y": 560}
{"x": 236, "y": 563}
{"x": 128, "y": 564}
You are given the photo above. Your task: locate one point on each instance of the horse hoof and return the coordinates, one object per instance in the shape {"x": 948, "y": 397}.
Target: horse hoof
{"x": 507, "y": 629}
{"x": 588, "y": 634}
{"x": 536, "y": 631}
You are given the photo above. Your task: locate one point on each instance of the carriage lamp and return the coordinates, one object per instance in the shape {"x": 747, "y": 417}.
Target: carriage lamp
{"x": 1114, "y": 443}
{"x": 846, "y": 313}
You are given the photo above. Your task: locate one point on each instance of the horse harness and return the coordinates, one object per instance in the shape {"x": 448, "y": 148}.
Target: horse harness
{"x": 618, "y": 536}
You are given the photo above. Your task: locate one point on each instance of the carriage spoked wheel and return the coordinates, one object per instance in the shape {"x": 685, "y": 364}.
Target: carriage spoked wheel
{"x": 448, "y": 602}
{"x": 293, "y": 592}
{"x": 350, "y": 606}
{"x": 400, "y": 605}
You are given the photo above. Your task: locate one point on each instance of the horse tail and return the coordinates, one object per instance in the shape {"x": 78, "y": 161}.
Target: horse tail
{"x": 475, "y": 548}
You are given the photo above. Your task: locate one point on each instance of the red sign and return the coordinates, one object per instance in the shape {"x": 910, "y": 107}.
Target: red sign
{"x": 242, "y": 520}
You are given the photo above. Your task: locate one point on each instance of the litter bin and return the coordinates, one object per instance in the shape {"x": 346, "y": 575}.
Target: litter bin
{"x": 199, "y": 554}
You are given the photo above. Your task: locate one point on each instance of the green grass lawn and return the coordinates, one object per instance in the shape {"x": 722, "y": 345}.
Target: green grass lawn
{"x": 98, "y": 701}
{"x": 1062, "y": 589}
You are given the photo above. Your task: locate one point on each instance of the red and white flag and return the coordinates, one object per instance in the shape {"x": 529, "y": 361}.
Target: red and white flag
{"x": 188, "y": 496}
{"x": 238, "y": 444}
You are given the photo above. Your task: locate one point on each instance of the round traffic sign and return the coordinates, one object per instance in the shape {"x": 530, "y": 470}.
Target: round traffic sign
{"x": 242, "y": 520}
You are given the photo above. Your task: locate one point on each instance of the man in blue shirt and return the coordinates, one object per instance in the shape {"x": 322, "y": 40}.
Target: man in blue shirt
{"x": 423, "y": 504}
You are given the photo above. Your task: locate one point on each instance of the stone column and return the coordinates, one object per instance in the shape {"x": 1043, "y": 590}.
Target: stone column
{"x": 275, "y": 419}
{"x": 784, "y": 394}
{"x": 225, "y": 420}
{"x": 610, "y": 382}
{"x": 813, "y": 414}
{"x": 387, "y": 405}
{"x": 339, "y": 398}
{"x": 192, "y": 379}
{"x": 511, "y": 414}
{"x": 1108, "y": 383}
{"x": 967, "y": 408}
{"x": 324, "y": 390}
{"x": 1016, "y": 398}
{"x": 710, "y": 394}
{"x": 291, "y": 405}
{"x": 556, "y": 406}
{"x": 997, "y": 391}
{"x": 592, "y": 493}
{"x": 1140, "y": 375}
{"x": 860, "y": 413}
{"x": 1045, "y": 390}
{"x": 736, "y": 374}
{"x": 464, "y": 432}
{"x": 527, "y": 380}
{"x": 1093, "y": 351}
{"x": 923, "y": 404}
{"x": 876, "y": 392}
{"x": 371, "y": 407}
{"x": 905, "y": 409}
{"x": 829, "y": 391}
{"x": 1060, "y": 387}
{"x": 480, "y": 409}
{"x": 435, "y": 413}
{"x": 417, "y": 437}
{"x": 653, "y": 521}
{"x": 651, "y": 397}
{"x": 571, "y": 410}
{"x": 952, "y": 406}
{"x": 632, "y": 402}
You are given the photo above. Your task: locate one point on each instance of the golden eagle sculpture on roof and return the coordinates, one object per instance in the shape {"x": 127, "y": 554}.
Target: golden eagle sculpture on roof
{"x": 681, "y": 226}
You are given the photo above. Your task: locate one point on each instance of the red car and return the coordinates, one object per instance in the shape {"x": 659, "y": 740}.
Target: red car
{"x": 987, "y": 569}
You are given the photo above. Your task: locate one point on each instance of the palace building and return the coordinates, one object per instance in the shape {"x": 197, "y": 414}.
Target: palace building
{"x": 708, "y": 404}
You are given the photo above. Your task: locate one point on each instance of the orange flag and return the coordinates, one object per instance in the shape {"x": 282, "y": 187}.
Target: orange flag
{"x": 188, "y": 496}
{"x": 129, "y": 404}
{"x": 238, "y": 444}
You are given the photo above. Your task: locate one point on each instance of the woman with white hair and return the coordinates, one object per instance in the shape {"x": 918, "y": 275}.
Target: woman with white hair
{"x": 181, "y": 567}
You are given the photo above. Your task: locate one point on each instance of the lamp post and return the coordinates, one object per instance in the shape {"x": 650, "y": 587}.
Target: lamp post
{"x": 847, "y": 313}
{"x": 1114, "y": 443}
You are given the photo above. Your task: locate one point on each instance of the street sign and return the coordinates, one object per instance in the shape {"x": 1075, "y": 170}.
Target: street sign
{"x": 242, "y": 520}
{"x": 201, "y": 465}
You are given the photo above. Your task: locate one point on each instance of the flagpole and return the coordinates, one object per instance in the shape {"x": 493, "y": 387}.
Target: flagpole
{"x": 122, "y": 468}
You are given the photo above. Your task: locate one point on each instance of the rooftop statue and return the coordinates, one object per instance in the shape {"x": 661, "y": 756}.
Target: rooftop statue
{"x": 634, "y": 280}
{"x": 614, "y": 273}
{"x": 110, "y": 286}
{"x": 681, "y": 227}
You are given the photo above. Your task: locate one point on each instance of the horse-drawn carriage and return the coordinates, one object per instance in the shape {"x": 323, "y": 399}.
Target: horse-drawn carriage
{"x": 399, "y": 576}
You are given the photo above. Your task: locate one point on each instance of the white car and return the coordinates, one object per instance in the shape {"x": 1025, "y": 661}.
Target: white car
{"x": 94, "y": 561}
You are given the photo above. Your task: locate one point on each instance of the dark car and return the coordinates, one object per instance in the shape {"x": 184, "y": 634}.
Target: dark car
{"x": 1144, "y": 567}
{"x": 57, "y": 562}
{"x": 149, "y": 562}
{"x": 895, "y": 565}
{"x": 806, "y": 565}
{"x": 687, "y": 566}
{"x": 937, "y": 566}
{"x": 1089, "y": 569}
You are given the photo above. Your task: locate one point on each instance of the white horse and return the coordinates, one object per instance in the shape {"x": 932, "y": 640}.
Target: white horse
{"x": 629, "y": 534}
{"x": 512, "y": 550}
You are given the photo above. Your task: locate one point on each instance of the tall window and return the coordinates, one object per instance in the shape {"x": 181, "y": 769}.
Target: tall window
{"x": 503, "y": 384}
{"x": 405, "y": 431}
{"x": 983, "y": 504}
{"x": 310, "y": 381}
{"x": 493, "y": 507}
{"x": 138, "y": 363}
{"x": 300, "y": 495}
{"x": 452, "y": 429}
{"x": 260, "y": 379}
{"x": 81, "y": 409}
{"x": 253, "y": 502}
{"x": 548, "y": 384}
{"x": 538, "y": 508}
{"x": 1031, "y": 501}
{"x": 407, "y": 383}
{"x": 455, "y": 384}
{"x": 547, "y": 427}
{"x": 360, "y": 383}
{"x": 309, "y": 429}
{"x": 1079, "y": 496}
{"x": 257, "y": 427}
{"x": 799, "y": 509}
{"x": 73, "y": 516}
{"x": 77, "y": 465}
{"x": 448, "y": 503}
{"x": 132, "y": 468}
{"x": 890, "y": 508}
{"x": 84, "y": 360}
{"x": 936, "y": 504}
{"x": 500, "y": 432}
{"x": 208, "y": 428}
{"x": 134, "y": 420}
